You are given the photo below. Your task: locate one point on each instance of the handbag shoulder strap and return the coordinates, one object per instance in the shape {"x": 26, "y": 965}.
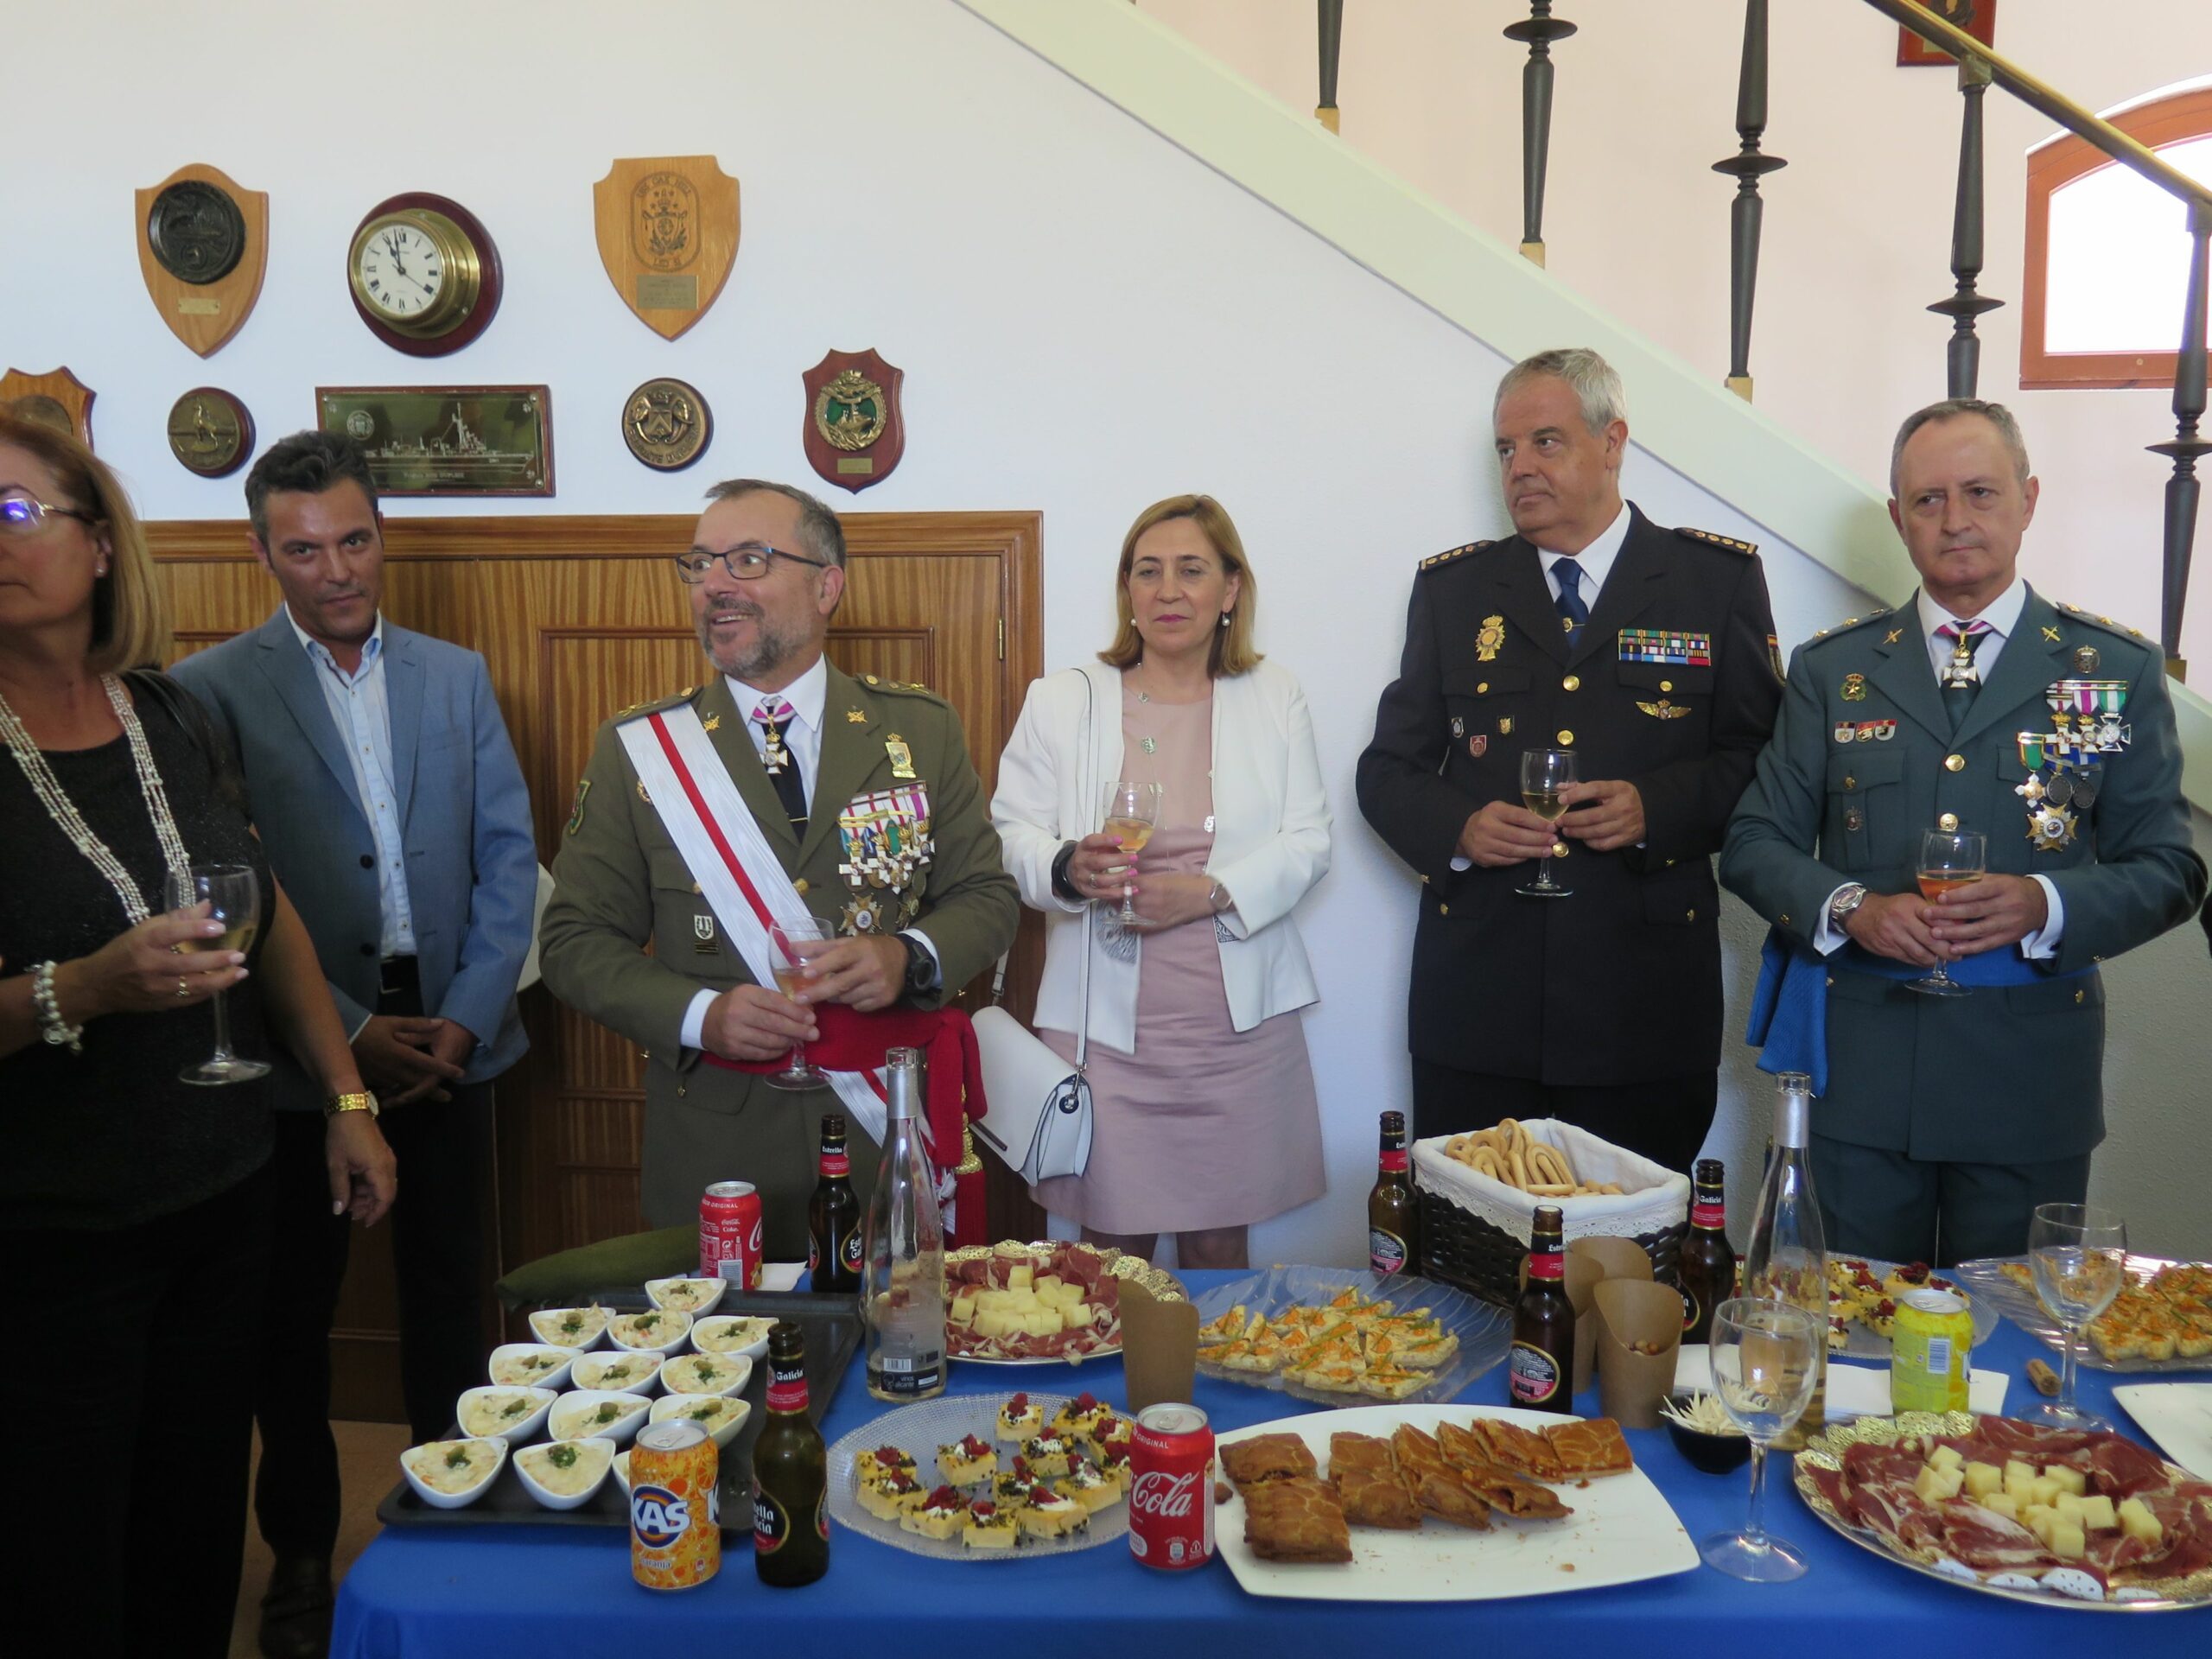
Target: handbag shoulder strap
{"x": 998, "y": 970}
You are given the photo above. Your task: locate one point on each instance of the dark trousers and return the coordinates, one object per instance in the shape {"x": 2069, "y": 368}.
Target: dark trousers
{"x": 136, "y": 1520}
{"x": 437, "y": 1243}
{"x": 1664, "y": 1120}
{"x": 1899, "y": 1209}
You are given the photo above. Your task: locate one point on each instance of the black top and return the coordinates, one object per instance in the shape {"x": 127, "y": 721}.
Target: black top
{"x": 109, "y": 1137}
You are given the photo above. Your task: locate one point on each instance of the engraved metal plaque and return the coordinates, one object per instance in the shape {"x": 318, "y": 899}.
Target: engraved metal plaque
{"x": 668, "y": 293}
{"x": 196, "y": 231}
{"x": 667, "y": 424}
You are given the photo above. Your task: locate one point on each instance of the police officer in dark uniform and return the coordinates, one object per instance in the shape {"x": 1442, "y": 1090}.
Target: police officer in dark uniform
{"x": 1649, "y": 653}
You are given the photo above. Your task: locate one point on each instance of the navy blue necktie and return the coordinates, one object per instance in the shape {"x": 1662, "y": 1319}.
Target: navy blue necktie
{"x": 1572, "y": 612}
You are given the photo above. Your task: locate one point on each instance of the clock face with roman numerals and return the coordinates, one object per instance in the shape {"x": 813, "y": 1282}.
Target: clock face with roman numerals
{"x": 400, "y": 270}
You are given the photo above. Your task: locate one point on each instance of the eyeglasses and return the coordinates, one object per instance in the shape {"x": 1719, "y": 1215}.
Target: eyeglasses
{"x": 22, "y": 513}
{"x": 746, "y": 562}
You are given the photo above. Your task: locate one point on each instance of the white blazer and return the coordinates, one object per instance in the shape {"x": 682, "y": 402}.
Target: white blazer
{"x": 1271, "y": 839}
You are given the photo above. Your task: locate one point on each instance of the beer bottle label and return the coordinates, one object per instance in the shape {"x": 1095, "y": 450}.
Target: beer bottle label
{"x": 1690, "y": 1308}
{"x": 813, "y": 1252}
{"x": 1711, "y": 1215}
{"x": 1535, "y": 1375}
{"x": 1394, "y": 1160}
{"x": 771, "y": 1527}
{"x": 852, "y": 1251}
{"x": 821, "y": 1515}
{"x": 836, "y": 1163}
{"x": 787, "y": 1389}
{"x": 1385, "y": 1251}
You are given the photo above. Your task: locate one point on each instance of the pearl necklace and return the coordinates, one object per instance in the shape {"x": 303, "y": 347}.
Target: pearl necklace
{"x": 63, "y": 811}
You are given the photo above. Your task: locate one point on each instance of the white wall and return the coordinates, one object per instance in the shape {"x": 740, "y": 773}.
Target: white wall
{"x": 1089, "y": 319}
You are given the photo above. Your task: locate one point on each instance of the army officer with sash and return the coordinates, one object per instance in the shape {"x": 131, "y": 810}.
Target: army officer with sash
{"x": 781, "y": 789}
{"x": 1980, "y": 706}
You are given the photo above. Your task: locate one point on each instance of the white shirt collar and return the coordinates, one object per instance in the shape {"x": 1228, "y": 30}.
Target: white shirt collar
{"x": 807, "y": 694}
{"x": 1596, "y": 560}
{"x": 2002, "y": 614}
{"x": 317, "y": 651}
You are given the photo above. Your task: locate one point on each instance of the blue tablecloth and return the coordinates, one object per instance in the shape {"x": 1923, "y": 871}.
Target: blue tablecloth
{"x": 552, "y": 1593}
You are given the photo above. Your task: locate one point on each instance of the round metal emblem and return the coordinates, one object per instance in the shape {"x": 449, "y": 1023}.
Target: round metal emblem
{"x": 667, "y": 424}
{"x": 211, "y": 433}
{"x": 196, "y": 231}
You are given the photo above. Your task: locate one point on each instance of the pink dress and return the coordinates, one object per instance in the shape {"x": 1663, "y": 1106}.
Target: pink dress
{"x": 1204, "y": 1126}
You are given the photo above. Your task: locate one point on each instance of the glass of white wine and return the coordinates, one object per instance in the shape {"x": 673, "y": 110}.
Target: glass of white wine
{"x": 1544, "y": 772}
{"x": 2078, "y": 1254}
{"x": 1131, "y": 814}
{"x": 1765, "y": 1356}
{"x": 1949, "y": 859}
{"x": 233, "y": 895}
{"x": 793, "y": 945}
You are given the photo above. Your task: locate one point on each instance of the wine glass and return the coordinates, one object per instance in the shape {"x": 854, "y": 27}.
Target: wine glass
{"x": 792, "y": 945}
{"x": 2078, "y": 1254}
{"x": 1765, "y": 1357}
{"x": 1544, "y": 772}
{"x": 233, "y": 895}
{"x": 1132, "y": 812}
{"x": 1948, "y": 858}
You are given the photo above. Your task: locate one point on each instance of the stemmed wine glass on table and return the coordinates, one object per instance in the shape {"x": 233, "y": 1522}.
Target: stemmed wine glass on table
{"x": 2078, "y": 1254}
{"x": 793, "y": 945}
{"x": 1949, "y": 859}
{"x": 233, "y": 895}
{"x": 1544, "y": 772}
{"x": 1765, "y": 1356}
{"x": 1132, "y": 812}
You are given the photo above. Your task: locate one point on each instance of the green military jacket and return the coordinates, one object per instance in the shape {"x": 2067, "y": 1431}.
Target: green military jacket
{"x": 1864, "y": 761}
{"x": 628, "y": 939}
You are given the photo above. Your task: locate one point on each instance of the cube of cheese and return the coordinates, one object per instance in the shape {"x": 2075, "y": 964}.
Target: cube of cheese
{"x": 2069, "y": 1480}
{"x": 1075, "y": 1316}
{"x": 2065, "y": 1540}
{"x": 2002, "y": 1504}
{"x": 1984, "y": 1478}
{"x": 2018, "y": 1474}
{"x": 1066, "y": 1296}
{"x": 994, "y": 1324}
{"x": 2097, "y": 1514}
{"x": 1021, "y": 1278}
{"x": 2067, "y": 1507}
{"x": 2038, "y": 1519}
{"x": 963, "y": 1310}
{"x": 1948, "y": 1457}
{"x": 1046, "y": 1281}
{"x": 2044, "y": 1491}
{"x": 2137, "y": 1521}
{"x": 1935, "y": 1484}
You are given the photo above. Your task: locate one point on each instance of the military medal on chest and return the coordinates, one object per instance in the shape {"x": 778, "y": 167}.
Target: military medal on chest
{"x": 2065, "y": 765}
{"x": 886, "y": 839}
{"x": 1491, "y": 636}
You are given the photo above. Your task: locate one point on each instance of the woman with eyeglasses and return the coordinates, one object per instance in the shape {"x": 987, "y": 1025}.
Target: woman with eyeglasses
{"x": 1203, "y": 1115}
{"x": 127, "y": 1192}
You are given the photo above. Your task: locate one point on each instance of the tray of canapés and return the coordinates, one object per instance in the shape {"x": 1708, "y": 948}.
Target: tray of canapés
{"x": 561, "y": 1411}
{"x": 2160, "y": 1321}
{"x": 1863, "y": 1296}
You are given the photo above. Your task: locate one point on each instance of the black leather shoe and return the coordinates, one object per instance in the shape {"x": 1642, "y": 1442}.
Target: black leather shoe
{"x": 296, "y": 1610}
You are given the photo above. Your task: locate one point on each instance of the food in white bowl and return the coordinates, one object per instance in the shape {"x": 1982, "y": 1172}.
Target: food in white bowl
{"x": 618, "y": 1371}
{"x": 721, "y": 1414}
{"x": 622, "y": 1471}
{"x": 662, "y": 1331}
{"x": 692, "y": 1296}
{"x": 570, "y": 1327}
{"x": 564, "y": 1474}
{"x": 452, "y": 1474}
{"x": 697, "y": 1374}
{"x": 513, "y": 1414}
{"x": 598, "y": 1414}
{"x": 734, "y": 1334}
{"x": 532, "y": 1365}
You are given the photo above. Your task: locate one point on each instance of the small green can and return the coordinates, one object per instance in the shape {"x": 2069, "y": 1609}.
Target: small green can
{"x": 1930, "y": 1352}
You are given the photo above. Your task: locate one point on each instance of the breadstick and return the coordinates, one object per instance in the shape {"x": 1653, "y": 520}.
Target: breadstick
{"x": 1484, "y": 1162}
{"x": 1551, "y": 1189}
{"x": 1520, "y": 1171}
{"x": 1509, "y": 1131}
{"x": 1549, "y": 1164}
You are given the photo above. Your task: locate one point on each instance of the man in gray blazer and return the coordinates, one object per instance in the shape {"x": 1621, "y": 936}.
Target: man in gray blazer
{"x": 388, "y": 796}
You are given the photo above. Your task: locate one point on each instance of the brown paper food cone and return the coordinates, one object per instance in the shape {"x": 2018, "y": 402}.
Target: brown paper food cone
{"x": 1583, "y": 1273}
{"x": 1631, "y": 1384}
{"x": 1621, "y": 1258}
{"x": 1160, "y": 1348}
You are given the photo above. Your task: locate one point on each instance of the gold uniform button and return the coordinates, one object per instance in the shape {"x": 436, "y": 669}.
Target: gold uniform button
{"x": 1954, "y": 763}
{"x": 1566, "y": 739}
{"x": 1948, "y": 821}
{"x": 800, "y": 884}
{"x": 1558, "y": 849}
{"x": 1666, "y": 685}
{"x": 1443, "y": 910}
{"x": 1482, "y": 687}
{"x": 1693, "y": 916}
{"x": 2080, "y": 996}
{"x": 1849, "y": 782}
{"x": 1572, "y": 683}
{"x": 1784, "y": 920}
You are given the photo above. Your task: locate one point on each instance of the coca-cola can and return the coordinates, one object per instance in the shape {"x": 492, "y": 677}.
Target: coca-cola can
{"x": 1171, "y": 1488}
{"x": 729, "y": 1233}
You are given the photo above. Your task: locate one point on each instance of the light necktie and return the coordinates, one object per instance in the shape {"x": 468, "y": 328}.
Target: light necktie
{"x": 1959, "y": 678}
{"x": 1572, "y": 612}
{"x": 774, "y": 716}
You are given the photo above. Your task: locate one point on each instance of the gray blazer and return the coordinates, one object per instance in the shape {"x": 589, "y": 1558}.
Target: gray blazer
{"x": 471, "y": 865}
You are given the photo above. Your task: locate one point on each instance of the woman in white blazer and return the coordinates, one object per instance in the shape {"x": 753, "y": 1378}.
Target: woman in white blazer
{"x": 1204, "y": 1111}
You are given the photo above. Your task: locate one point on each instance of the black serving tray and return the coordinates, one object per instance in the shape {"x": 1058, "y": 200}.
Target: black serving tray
{"x": 832, "y": 1325}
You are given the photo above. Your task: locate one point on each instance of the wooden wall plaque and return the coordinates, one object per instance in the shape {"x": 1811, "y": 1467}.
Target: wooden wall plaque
{"x": 57, "y": 398}
{"x": 203, "y": 249}
{"x": 1977, "y": 17}
{"x": 667, "y": 228}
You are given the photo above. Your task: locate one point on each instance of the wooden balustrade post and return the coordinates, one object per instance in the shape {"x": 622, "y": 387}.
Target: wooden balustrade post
{"x": 1538, "y": 32}
{"x": 1963, "y": 357}
{"x": 2184, "y": 487}
{"x": 1331, "y": 17}
{"x": 1746, "y": 213}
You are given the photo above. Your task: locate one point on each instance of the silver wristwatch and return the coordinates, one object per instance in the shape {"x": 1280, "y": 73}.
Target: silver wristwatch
{"x": 1847, "y": 899}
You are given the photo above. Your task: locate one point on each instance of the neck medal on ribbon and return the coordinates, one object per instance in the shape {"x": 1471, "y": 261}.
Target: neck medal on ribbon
{"x": 2063, "y": 775}
{"x": 886, "y": 839}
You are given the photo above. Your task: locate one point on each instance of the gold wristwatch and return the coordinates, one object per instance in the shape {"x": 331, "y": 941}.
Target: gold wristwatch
{"x": 359, "y": 1101}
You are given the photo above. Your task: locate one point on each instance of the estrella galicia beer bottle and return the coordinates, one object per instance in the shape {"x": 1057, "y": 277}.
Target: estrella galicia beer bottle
{"x": 1392, "y": 1210}
{"x": 791, "y": 1473}
{"x": 833, "y": 1215}
{"x": 1706, "y": 1271}
{"x": 1540, "y": 1367}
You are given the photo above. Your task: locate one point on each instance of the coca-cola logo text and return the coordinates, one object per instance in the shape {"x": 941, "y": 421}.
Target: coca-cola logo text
{"x": 1168, "y": 1495}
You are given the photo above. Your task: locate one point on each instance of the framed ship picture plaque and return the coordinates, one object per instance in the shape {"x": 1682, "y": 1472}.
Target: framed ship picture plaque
{"x": 446, "y": 439}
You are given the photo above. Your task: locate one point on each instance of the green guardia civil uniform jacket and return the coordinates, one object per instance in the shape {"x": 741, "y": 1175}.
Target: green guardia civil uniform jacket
{"x": 622, "y": 890}
{"x": 1863, "y": 762}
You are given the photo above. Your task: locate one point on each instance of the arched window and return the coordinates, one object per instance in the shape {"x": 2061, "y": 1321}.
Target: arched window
{"x": 2107, "y": 252}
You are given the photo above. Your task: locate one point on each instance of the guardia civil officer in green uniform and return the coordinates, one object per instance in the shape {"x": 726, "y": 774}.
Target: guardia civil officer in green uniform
{"x": 1941, "y": 1121}
{"x": 805, "y": 745}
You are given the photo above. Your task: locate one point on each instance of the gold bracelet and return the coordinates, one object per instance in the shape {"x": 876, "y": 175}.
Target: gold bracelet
{"x": 359, "y": 1101}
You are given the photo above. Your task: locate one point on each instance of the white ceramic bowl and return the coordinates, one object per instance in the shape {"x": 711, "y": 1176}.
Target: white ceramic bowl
{"x": 667, "y": 1334}
{"x": 622, "y": 1471}
{"x": 514, "y": 1430}
{"x": 575, "y": 1419}
{"x": 554, "y": 1376}
{"x": 590, "y": 1371}
{"x": 545, "y": 1326}
{"x": 724, "y": 1428}
{"x": 707, "y": 1333}
{"x": 680, "y": 1375}
{"x": 692, "y": 1296}
{"x": 533, "y": 1459}
{"x": 461, "y": 1500}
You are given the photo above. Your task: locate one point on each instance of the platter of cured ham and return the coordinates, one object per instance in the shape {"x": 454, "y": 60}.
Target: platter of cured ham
{"x": 1050, "y": 1303}
{"x": 2058, "y": 1517}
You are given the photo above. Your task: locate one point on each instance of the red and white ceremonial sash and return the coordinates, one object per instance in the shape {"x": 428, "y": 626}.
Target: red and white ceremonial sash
{"x": 738, "y": 873}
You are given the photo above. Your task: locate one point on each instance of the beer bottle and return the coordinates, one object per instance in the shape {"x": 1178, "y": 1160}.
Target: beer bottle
{"x": 1393, "y": 1210}
{"x": 1541, "y": 1365}
{"x": 791, "y": 1473}
{"x": 1707, "y": 1274}
{"x": 833, "y": 1215}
